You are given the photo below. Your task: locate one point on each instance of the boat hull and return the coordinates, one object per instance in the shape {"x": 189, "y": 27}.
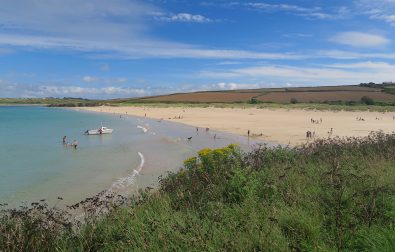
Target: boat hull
{"x": 99, "y": 132}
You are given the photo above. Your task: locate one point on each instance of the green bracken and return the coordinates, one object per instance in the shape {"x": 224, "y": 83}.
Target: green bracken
{"x": 329, "y": 195}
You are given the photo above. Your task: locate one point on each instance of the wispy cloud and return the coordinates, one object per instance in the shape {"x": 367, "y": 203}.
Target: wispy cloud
{"x": 230, "y": 86}
{"x": 318, "y": 75}
{"x": 89, "y": 79}
{"x": 137, "y": 49}
{"x": 115, "y": 29}
{"x": 360, "y": 39}
{"x": 181, "y": 17}
{"x": 314, "y": 12}
{"x": 95, "y": 79}
{"x": 9, "y": 89}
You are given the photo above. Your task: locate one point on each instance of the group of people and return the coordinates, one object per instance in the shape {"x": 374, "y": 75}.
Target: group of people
{"x": 360, "y": 119}
{"x": 310, "y": 134}
{"x": 197, "y": 133}
{"x": 73, "y": 144}
{"x": 312, "y": 120}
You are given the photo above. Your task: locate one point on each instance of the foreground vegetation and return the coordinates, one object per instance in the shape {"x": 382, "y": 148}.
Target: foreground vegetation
{"x": 331, "y": 195}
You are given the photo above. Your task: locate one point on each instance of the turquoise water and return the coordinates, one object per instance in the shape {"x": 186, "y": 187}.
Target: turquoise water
{"x": 34, "y": 164}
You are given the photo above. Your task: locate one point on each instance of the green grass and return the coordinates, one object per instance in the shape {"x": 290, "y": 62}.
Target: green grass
{"x": 331, "y": 195}
{"x": 383, "y": 107}
{"x": 78, "y": 102}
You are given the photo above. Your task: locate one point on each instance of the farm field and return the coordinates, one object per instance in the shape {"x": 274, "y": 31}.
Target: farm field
{"x": 281, "y": 95}
{"x": 320, "y": 96}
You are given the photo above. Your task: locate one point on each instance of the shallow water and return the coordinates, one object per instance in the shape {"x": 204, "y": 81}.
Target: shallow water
{"x": 34, "y": 164}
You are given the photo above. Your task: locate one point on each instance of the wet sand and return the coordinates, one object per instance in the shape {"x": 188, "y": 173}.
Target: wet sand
{"x": 274, "y": 125}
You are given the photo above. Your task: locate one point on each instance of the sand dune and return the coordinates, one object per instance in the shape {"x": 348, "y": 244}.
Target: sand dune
{"x": 275, "y": 125}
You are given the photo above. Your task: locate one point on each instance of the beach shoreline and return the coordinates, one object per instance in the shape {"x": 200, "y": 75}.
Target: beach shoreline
{"x": 283, "y": 126}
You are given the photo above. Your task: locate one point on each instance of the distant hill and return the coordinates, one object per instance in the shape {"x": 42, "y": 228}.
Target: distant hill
{"x": 322, "y": 94}
{"x": 351, "y": 94}
{"x": 51, "y": 102}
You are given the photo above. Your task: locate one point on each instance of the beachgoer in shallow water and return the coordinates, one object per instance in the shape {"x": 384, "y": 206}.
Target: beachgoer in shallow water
{"x": 64, "y": 140}
{"x": 75, "y": 144}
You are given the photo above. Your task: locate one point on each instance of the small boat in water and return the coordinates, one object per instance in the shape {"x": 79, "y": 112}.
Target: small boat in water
{"x": 100, "y": 131}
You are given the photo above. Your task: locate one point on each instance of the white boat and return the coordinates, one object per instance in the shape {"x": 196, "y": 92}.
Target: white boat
{"x": 100, "y": 131}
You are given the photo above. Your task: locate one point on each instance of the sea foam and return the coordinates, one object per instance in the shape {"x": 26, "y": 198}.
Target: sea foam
{"x": 127, "y": 181}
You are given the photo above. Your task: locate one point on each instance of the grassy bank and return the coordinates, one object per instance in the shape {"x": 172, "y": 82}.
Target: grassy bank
{"x": 306, "y": 106}
{"x": 331, "y": 195}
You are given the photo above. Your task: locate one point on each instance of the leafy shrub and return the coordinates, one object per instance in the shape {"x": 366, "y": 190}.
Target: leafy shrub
{"x": 367, "y": 100}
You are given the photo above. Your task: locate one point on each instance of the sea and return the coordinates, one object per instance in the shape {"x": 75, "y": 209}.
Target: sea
{"x": 35, "y": 165}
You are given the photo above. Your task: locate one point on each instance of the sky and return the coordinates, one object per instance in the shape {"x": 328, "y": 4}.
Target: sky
{"x": 105, "y": 49}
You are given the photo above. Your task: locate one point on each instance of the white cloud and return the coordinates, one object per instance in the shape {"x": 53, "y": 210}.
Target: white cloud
{"x": 77, "y": 91}
{"x": 308, "y": 12}
{"x": 360, "y": 39}
{"x": 343, "y": 55}
{"x": 229, "y": 86}
{"x": 9, "y": 89}
{"x": 89, "y": 79}
{"x": 93, "y": 79}
{"x": 181, "y": 17}
{"x": 320, "y": 75}
{"x": 378, "y": 9}
{"x": 138, "y": 49}
{"x": 115, "y": 29}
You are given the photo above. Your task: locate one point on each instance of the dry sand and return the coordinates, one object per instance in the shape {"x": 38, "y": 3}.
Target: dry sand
{"x": 274, "y": 125}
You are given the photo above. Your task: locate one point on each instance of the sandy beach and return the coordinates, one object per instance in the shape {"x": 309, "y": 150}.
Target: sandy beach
{"x": 275, "y": 125}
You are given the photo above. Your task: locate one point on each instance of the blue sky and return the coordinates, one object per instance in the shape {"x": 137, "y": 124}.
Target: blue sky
{"x": 127, "y": 48}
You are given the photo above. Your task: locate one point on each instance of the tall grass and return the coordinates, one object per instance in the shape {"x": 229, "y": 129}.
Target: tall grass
{"x": 383, "y": 107}
{"x": 330, "y": 195}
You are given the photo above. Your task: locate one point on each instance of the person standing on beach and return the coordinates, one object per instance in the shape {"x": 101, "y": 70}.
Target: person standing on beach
{"x": 248, "y": 133}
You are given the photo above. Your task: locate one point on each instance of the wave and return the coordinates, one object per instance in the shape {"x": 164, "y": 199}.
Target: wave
{"x": 144, "y": 129}
{"x": 127, "y": 181}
